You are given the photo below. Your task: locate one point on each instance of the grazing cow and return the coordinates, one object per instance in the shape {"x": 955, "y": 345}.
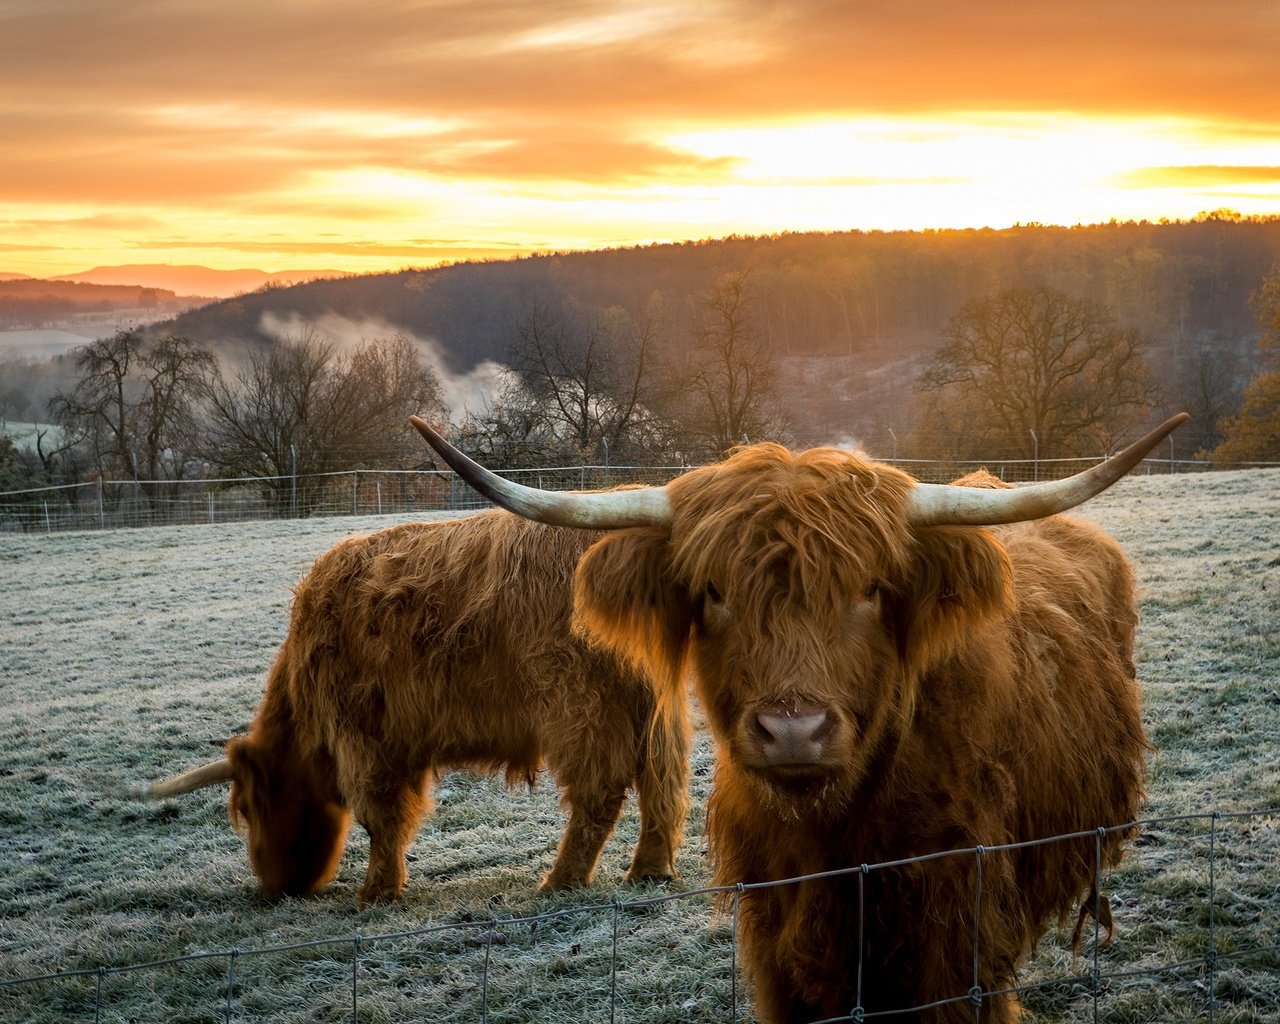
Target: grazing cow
{"x": 890, "y": 669}
{"x": 431, "y": 646}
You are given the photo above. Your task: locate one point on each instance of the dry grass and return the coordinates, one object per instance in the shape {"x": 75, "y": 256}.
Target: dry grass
{"x": 126, "y": 655}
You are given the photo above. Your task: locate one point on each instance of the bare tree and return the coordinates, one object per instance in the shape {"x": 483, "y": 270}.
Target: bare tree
{"x": 1033, "y": 370}
{"x": 134, "y": 405}
{"x": 1204, "y": 387}
{"x": 99, "y": 411}
{"x": 303, "y": 408}
{"x": 591, "y": 373}
{"x": 729, "y": 377}
{"x": 512, "y": 431}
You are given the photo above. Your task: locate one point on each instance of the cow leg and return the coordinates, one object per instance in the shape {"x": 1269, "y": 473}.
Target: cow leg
{"x": 391, "y": 815}
{"x": 593, "y": 812}
{"x": 774, "y": 996}
{"x": 662, "y": 791}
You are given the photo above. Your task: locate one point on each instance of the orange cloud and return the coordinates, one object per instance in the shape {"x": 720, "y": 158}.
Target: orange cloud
{"x": 1201, "y": 176}
{"x": 562, "y": 122}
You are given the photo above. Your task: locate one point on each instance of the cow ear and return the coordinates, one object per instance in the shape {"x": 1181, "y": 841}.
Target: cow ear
{"x": 959, "y": 578}
{"x": 247, "y": 784}
{"x": 627, "y": 599}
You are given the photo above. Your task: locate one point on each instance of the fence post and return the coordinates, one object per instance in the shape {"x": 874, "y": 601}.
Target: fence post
{"x": 231, "y": 981}
{"x": 355, "y": 979}
{"x": 47, "y": 527}
{"x": 210, "y": 494}
{"x": 102, "y": 508}
{"x": 488, "y": 956}
{"x": 355, "y": 489}
{"x": 1211, "y": 955}
{"x": 379, "y": 492}
{"x": 976, "y": 993}
{"x": 733, "y": 961}
{"x": 613, "y": 964}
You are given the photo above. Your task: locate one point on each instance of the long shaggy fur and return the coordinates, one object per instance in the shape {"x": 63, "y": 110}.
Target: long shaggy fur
{"x": 432, "y": 646}
{"x": 978, "y": 689}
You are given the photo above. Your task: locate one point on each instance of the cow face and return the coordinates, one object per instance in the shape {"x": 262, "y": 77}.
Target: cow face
{"x": 805, "y": 606}
{"x": 294, "y": 837}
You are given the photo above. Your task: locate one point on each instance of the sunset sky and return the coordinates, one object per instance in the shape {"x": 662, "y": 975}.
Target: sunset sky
{"x": 285, "y": 134}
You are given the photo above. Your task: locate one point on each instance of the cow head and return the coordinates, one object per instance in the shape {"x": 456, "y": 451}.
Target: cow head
{"x": 805, "y": 604}
{"x": 809, "y": 593}
{"x": 294, "y": 833}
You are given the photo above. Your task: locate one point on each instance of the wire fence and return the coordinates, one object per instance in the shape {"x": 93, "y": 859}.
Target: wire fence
{"x": 1206, "y": 971}
{"x": 103, "y": 504}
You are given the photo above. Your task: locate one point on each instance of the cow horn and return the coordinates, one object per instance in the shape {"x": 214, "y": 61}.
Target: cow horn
{"x": 197, "y": 778}
{"x": 597, "y": 510}
{"x": 947, "y": 505}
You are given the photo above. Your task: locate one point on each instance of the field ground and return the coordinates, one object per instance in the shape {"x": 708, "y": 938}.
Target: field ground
{"x": 43, "y": 344}
{"x": 127, "y": 655}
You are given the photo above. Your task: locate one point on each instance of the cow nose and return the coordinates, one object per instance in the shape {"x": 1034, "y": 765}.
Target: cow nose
{"x": 792, "y": 739}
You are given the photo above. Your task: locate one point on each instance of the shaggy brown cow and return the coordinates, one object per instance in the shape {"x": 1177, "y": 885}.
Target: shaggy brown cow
{"x": 431, "y": 646}
{"x": 888, "y": 673}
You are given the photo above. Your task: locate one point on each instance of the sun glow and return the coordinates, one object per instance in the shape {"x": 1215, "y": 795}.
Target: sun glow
{"x": 390, "y": 210}
{"x": 981, "y": 170}
{"x": 392, "y": 134}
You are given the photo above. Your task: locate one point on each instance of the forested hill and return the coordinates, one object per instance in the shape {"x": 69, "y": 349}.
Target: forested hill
{"x": 874, "y": 302}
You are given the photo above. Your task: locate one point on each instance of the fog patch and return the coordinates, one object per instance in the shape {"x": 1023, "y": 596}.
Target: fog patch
{"x": 461, "y": 393}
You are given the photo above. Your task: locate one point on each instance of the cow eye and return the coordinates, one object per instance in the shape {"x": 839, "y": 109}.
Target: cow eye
{"x": 873, "y": 588}
{"x": 713, "y": 593}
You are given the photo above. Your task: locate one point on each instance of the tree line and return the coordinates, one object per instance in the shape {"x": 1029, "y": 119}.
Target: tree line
{"x": 1033, "y": 372}
{"x": 580, "y": 385}
{"x": 32, "y": 303}
{"x": 852, "y": 317}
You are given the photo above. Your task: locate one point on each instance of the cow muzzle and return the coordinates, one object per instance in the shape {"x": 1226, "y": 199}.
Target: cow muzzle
{"x": 794, "y": 738}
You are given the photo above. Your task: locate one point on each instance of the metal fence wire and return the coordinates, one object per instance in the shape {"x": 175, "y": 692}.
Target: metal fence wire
{"x": 1223, "y": 931}
{"x": 103, "y": 504}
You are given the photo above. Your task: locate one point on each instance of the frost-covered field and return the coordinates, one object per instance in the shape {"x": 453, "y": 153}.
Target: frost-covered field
{"x": 125, "y": 656}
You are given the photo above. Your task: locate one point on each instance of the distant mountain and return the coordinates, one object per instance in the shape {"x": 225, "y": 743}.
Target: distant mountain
{"x": 195, "y": 280}
{"x": 5, "y": 276}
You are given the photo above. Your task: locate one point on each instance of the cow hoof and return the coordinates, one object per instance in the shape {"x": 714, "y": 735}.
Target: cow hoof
{"x": 657, "y": 877}
{"x": 378, "y": 897}
{"x": 553, "y": 884}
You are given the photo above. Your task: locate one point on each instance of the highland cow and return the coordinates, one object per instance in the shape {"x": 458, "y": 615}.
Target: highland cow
{"x": 431, "y": 646}
{"x": 890, "y": 669}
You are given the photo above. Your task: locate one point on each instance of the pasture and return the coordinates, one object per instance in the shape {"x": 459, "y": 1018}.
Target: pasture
{"x": 127, "y": 655}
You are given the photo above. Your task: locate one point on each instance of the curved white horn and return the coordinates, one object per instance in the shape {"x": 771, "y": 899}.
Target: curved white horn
{"x": 197, "y": 778}
{"x": 597, "y": 510}
{"x": 947, "y": 505}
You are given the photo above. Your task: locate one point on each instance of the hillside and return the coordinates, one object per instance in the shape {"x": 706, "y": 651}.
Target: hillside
{"x": 852, "y": 315}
